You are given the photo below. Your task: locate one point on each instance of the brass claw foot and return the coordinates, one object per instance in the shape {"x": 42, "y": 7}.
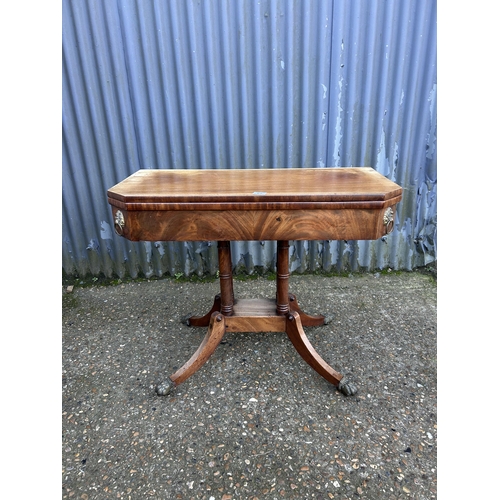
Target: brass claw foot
{"x": 186, "y": 319}
{"x": 328, "y": 319}
{"x": 347, "y": 388}
{"x": 165, "y": 387}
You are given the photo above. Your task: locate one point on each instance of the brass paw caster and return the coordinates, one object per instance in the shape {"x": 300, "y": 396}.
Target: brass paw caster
{"x": 165, "y": 387}
{"x": 347, "y": 388}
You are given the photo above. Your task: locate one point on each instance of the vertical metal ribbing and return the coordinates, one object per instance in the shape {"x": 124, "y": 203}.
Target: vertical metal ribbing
{"x": 253, "y": 85}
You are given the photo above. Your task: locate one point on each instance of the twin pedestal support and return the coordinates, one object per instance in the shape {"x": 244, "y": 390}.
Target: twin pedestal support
{"x": 281, "y": 314}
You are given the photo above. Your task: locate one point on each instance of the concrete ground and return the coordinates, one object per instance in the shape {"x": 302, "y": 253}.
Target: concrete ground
{"x": 255, "y": 422}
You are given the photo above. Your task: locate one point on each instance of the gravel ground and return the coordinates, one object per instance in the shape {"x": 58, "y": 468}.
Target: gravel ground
{"x": 256, "y": 421}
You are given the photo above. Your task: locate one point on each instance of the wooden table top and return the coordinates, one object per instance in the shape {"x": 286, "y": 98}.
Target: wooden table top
{"x": 268, "y": 204}
{"x": 154, "y": 188}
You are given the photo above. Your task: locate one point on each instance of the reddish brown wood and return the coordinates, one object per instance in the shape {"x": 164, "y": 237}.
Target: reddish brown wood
{"x": 255, "y": 315}
{"x": 216, "y": 330}
{"x": 226, "y": 278}
{"x": 268, "y": 204}
{"x": 305, "y": 319}
{"x": 155, "y": 189}
{"x": 205, "y": 320}
{"x": 301, "y": 343}
{"x": 282, "y": 276}
{"x": 253, "y": 225}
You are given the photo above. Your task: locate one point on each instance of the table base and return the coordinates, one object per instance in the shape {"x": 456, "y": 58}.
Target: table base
{"x": 255, "y": 315}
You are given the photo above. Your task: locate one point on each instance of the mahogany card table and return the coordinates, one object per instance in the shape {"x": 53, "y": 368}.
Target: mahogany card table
{"x": 346, "y": 203}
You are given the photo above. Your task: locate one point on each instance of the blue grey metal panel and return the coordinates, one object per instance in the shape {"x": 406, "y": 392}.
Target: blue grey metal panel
{"x": 245, "y": 84}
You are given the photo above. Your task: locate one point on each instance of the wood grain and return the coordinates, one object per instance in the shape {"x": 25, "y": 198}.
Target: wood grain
{"x": 245, "y": 205}
{"x": 268, "y": 204}
{"x": 256, "y": 225}
{"x": 169, "y": 189}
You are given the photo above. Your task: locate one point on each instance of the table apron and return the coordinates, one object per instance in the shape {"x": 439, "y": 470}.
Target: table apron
{"x": 253, "y": 225}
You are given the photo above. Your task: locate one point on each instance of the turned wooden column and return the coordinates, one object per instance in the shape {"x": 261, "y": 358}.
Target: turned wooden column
{"x": 226, "y": 278}
{"x": 282, "y": 276}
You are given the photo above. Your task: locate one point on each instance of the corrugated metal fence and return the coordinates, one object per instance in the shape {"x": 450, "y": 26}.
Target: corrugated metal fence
{"x": 246, "y": 84}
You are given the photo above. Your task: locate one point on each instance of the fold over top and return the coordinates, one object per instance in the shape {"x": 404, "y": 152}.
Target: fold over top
{"x": 172, "y": 189}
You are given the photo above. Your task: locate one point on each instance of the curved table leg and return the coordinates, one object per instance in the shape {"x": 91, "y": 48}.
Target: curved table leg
{"x": 205, "y": 320}
{"x": 299, "y": 340}
{"x": 306, "y": 319}
{"x": 216, "y": 330}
